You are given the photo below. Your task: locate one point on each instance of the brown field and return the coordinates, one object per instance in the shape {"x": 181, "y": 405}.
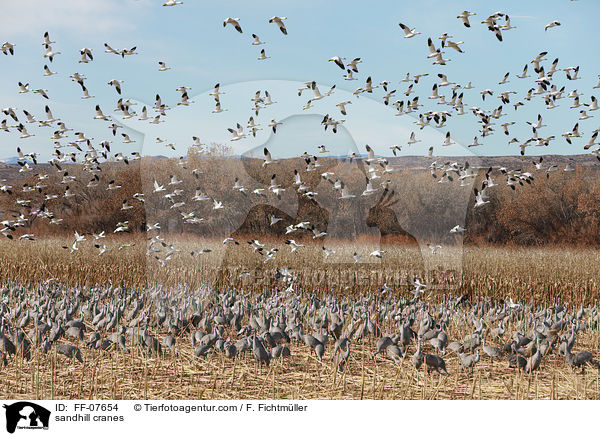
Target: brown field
{"x": 531, "y": 275}
{"x": 526, "y": 274}
{"x": 116, "y": 375}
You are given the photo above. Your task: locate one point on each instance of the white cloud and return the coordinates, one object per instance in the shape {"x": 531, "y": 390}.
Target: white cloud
{"x": 28, "y": 17}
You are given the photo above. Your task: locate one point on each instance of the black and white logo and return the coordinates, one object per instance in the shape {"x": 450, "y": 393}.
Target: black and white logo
{"x": 26, "y": 415}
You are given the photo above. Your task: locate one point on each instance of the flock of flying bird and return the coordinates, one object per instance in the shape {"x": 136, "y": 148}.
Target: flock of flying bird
{"x": 94, "y": 156}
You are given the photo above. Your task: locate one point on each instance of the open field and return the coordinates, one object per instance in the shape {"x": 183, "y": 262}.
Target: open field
{"x": 117, "y": 375}
{"x": 174, "y": 302}
{"x": 533, "y": 275}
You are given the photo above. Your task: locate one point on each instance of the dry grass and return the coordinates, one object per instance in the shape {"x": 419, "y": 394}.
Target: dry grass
{"x": 116, "y": 375}
{"x": 537, "y": 275}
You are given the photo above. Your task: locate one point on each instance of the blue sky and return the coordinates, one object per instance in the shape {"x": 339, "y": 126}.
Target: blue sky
{"x": 190, "y": 38}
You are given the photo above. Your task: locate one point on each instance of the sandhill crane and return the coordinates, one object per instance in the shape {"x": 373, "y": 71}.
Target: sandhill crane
{"x": 435, "y": 362}
{"x": 580, "y": 360}
{"x": 491, "y": 351}
{"x": 468, "y": 361}
{"x": 260, "y": 354}
{"x": 71, "y": 351}
{"x": 533, "y": 363}
{"x": 417, "y": 358}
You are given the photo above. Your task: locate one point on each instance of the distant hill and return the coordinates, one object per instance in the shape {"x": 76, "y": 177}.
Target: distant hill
{"x": 10, "y": 169}
{"x": 511, "y": 162}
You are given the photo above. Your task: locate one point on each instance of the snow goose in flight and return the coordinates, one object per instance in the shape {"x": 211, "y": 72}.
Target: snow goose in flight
{"x": 47, "y": 40}
{"x": 263, "y": 55}
{"x": 507, "y": 25}
{"x": 185, "y": 100}
{"x": 7, "y": 48}
{"x": 444, "y": 80}
{"x": 47, "y": 71}
{"x": 218, "y": 109}
{"x": 342, "y": 106}
{"x": 369, "y": 85}
{"x": 475, "y": 142}
{"x": 352, "y": 65}
{"x": 275, "y": 188}
{"x": 86, "y": 56}
{"x": 344, "y": 192}
{"x": 128, "y": 52}
{"x": 24, "y": 87}
{"x": 109, "y": 49}
{"x": 439, "y": 60}
{"x": 112, "y": 185}
{"x": 369, "y": 190}
{"x": 408, "y": 32}
{"x": 117, "y": 84}
{"x": 256, "y": 40}
{"x": 593, "y": 105}
{"x": 536, "y": 61}
{"x": 433, "y": 52}
{"x": 268, "y": 158}
{"x": 479, "y": 198}
{"x": 328, "y": 252}
{"x": 234, "y": 22}
{"x": 24, "y": 133}
{"x": 216, "y": 91}
{"x": 413, "y": 140}
{"x": 293, "y": 244}
{"x": 457, "y": 229}
{"x": 455, "y": 45}
{"x": 504, "y": 79}
{"x": 42, "y": 92}
{"x": 163, "y": 66}
{"x": 268, "y": 100}
{"x": 371, "y": 154}
{"x": 523, "y": 75}
{"x": 172, "y": 3}
{"x": 127, "y": 139}
{"x": 575, "y": 71}
{"x": 447, "y": 140}
{"x": 339, "y": 61}
{"x": 591, "y": 142}
{"x": 274, "y": 220}
{"x": 30, "y": 118}
{"x": 273, "y": 125}
{"x": 551, "y": 25}
{"x": 279, "y": 22}
{"x": 464, "y": 16}
{"x": 99, "y": 114}
{"x": 50, "y": 53}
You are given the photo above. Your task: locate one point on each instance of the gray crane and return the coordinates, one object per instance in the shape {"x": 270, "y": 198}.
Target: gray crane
{"x": 260, "y": 354}
{"x": 533, "y": 363}
{"x": 516, "y": 361}
{"x": 395, "y": 353}
{"x": 344, "y": 356}
{"x": 468, "y": 361}
{"x": 490, "y": 350}
{"x": 71, "y": 351}
{"x": 417, "y": 358}
{"x": 580, "y": 360}
{"x": 435, "y": 362}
